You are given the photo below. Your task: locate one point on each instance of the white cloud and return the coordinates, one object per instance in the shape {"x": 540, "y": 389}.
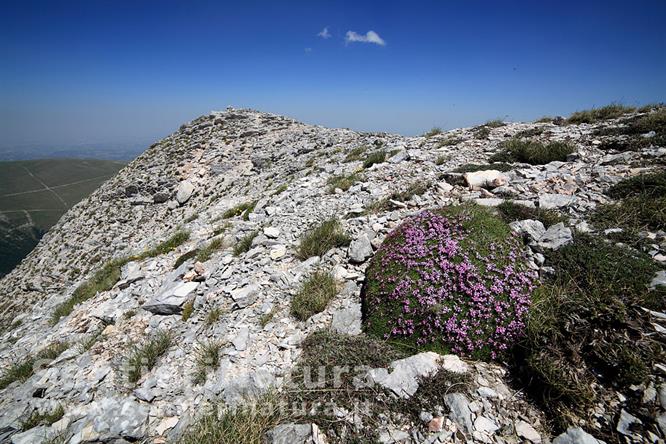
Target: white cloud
{"x": 324, "y": 34}
{"x": 369, "y": 37}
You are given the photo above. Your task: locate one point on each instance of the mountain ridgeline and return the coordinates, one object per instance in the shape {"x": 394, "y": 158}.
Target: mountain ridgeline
{"x": 501, "y": 283}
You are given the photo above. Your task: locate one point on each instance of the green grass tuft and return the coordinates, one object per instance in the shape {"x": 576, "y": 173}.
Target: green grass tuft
{"x": 433, "y": 132}
{"x": 375, "y": 157}
{"x": 213, "y": 316}
{"x": 642, "y": 206}
{"x": 243, "y": 209}
{"x": 321, "y": 238}
{"x": 246, "y": 424}
{"x": 245, "y": 243}
{"x": 532, "y": 152}
{"x": 24, "y": 369}
{"x": 594, "y": 115}
{"x": 142, "y": 359}
{"x": 585, "y": 328}
{"x": 344, "y": 182}
{"x": 188, "y": 309}
{"x": 355, "y": 154}
{"x": 105, "y": 278}
{"x": 473, "y": 167}
{"x": 510, "y": 212}
{"x": 206, "y": 252}
{"x": 207, "y": 358}
{"x": 314, "y": 295}
{"x": 44, "y": 418}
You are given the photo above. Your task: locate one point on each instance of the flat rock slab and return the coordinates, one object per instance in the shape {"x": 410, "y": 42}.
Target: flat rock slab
{"x": 348, "y": 320}
{"x": 184, "y": 192}
{"x": 402, "y": 376}
{"x": 555, "y": 236}
{"x": 576, "y": 435}
{"x": 171, "y": 298}
{"x": 549, "y": 201}
{"x": 295, "y": 434}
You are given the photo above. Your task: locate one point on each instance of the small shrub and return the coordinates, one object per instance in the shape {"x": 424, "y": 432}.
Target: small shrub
{"x": 207, "y": 358}
{"x": 642, "y": 206}
{"x": 438, "y": 280}
{"x": 510, "y": 212}
{"x": 44, "y": 418}
{"x": 545, "y": 119}
{"x": 188, "y": 309}
{"x": 532, "y": 152}
{"x": 142, "y": 359}
{"x": 433, "y": 132}
{"x": 585, "y": 333}
{"x": 314, "y": 295}
{"x": 321, "y": 238}
{"x": 648, "y": 185}
{"x": 245, "y": 243}
{"x": 243, "y": 209}
{"x": 344, "y": 182}
{"x": 494, "y": 124}
{"x": 482, "y": 132}
{"x": 594, "y": 115}
{"x": 374, "y": 157}
{"x": 355, "y": 154}
{"x": 473, "y": 167}
{"x": 192, "y": 218}
{"x": 531, "y": 132}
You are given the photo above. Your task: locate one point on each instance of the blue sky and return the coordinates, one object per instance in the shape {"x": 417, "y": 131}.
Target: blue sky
{"x": 98, "y": 71}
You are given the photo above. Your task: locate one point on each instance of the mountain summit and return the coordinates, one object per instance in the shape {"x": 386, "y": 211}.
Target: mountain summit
{"x": 232, "y": 254}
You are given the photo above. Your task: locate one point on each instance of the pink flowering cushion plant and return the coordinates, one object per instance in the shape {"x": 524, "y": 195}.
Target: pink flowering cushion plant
{"x": 449, "y": 280}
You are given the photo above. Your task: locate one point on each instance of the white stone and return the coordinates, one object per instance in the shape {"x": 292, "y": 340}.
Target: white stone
{"x": 525, "y": 430}
{"x": 272, "y": 232}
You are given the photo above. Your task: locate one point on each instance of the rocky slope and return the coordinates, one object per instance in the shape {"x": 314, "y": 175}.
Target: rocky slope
{"x": 187, "y": 182}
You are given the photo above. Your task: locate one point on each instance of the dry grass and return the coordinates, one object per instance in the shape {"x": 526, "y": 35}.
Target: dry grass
{"x": 315, "y": 293}
{"x": 321, "y": 238}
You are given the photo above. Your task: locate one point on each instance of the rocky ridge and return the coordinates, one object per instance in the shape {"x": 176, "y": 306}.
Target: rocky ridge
{"x": 188, "y": 181}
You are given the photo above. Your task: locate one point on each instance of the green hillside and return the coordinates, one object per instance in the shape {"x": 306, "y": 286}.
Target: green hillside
{"x": 35, "y": 193}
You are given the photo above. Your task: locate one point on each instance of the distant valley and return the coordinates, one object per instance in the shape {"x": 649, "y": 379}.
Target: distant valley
{"x": 34, "y": 194}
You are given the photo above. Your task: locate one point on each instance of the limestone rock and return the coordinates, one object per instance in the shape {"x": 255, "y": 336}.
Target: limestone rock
{"x": 556, "y": 236}
{"x": 184, "y": 192}
{"x": 295, "y": 434}
{"x": 576, "y": 435}
{"x": 360, "y": 249}
{"x": 171, "y": 298}
{"x": 528, "y": 228}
